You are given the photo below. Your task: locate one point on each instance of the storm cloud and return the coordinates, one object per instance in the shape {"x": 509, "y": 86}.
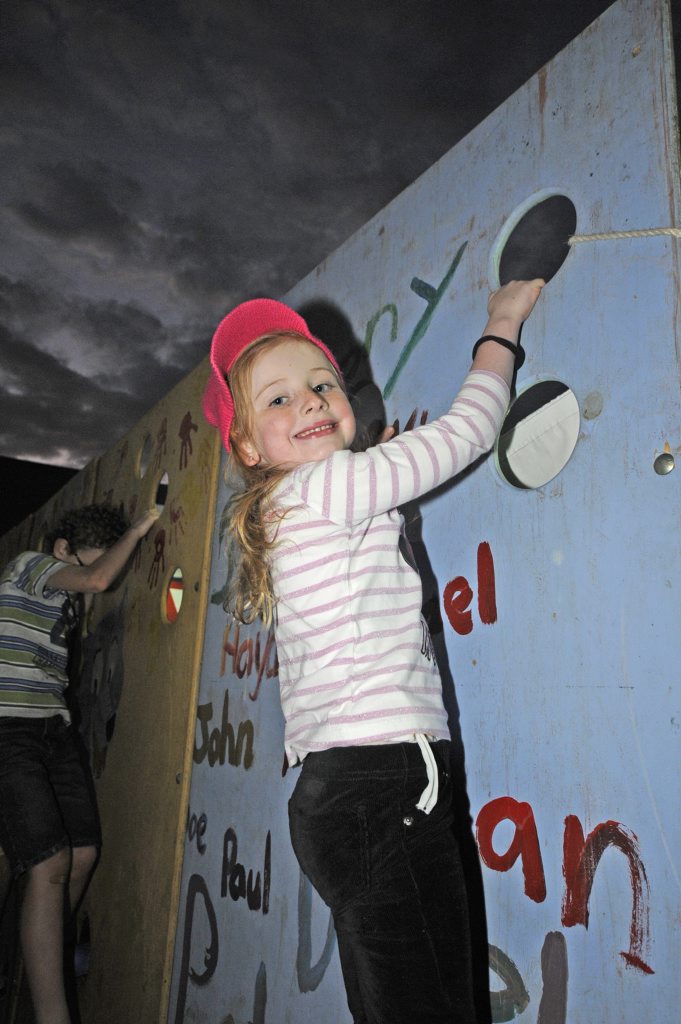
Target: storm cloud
{"x": 161, "y": 161}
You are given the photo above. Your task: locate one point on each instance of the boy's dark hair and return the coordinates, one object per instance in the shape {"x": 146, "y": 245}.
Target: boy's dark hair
{"x": 93, "y": 526}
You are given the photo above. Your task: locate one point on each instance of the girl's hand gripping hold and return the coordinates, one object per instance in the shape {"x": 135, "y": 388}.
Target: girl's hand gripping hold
{"x": 508, "y": 307}
{"x": 511, "y": 304}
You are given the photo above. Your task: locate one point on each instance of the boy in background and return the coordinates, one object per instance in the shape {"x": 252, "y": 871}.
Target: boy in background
{"x": 49, "y": 825}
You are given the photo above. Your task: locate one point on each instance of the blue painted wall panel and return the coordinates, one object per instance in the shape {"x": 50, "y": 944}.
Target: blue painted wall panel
{"x": 569, "y": 702}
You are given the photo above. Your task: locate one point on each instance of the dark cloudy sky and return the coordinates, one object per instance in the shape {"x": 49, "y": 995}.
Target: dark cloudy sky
{"x": 161, "y": 161}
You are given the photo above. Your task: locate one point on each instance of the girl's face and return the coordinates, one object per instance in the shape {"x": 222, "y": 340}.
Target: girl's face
{"x": 300, "y": 412}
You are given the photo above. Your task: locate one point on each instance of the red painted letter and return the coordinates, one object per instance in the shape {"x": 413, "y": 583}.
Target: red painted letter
{"x": 525, "y": 842}
{"x": 581, "y": 858}
{"x": 487, "y": 594}
{"x": 457, "y": 598}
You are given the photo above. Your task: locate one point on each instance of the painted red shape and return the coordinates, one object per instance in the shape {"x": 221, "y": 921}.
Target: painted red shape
{"x": 487, "y": 593}
{"x": 580, "y": 860}
{"x": 525, "y": 842}
{"x": 635, "y": 961}
{"x": 457, "y": 599}
{"x": 174, "y": 598}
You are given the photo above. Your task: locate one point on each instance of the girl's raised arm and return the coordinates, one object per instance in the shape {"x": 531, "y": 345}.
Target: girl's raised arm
{"x": 508, "y": 307}
{"x": 351, "y": 487}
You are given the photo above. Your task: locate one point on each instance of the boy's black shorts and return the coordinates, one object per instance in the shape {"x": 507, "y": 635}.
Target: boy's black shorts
{"x": 47, "y": 798}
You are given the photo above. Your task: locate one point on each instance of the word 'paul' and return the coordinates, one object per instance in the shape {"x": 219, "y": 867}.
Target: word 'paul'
{"x": 234, "y": 879}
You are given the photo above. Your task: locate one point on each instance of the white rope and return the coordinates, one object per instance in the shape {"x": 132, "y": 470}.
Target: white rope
{"x": 642, "y": 233}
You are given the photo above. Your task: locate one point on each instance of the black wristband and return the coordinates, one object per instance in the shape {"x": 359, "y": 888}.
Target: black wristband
{"x": 517, "y": 350}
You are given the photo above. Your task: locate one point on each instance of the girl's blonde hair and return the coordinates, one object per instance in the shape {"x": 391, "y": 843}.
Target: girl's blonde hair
{"x": 252, "y": 516}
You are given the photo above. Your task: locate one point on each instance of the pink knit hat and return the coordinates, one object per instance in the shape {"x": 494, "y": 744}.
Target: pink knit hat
{"x": 239, "y": 329}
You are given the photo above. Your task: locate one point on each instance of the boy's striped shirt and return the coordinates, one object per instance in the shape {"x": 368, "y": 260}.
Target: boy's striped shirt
{"x": 34, "y": 623}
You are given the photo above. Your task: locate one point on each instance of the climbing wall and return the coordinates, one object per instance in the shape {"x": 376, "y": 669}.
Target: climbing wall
{"x": 140, "y": 657}
{"x": 550, "y": 571}
{"x": 137, "y": 693}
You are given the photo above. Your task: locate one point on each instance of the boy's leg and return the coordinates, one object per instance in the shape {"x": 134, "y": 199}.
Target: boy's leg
{"x": 74, "y": 789}
{"x": 83, "y": 862}
{"x": 41, "y": 931}
{"x": 45, "y": 805}
{"x": 33, "y": 836}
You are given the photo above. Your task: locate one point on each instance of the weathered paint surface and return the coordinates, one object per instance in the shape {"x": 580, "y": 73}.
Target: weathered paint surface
{"x": 137, "y": 693}
{"x": 555, "y": 610}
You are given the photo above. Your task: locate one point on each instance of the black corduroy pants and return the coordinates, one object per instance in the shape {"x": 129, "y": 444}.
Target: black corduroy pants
{"x": 392, "y": 877}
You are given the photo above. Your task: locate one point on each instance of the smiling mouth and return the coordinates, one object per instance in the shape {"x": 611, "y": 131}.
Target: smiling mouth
{"x": 319, "y": 430}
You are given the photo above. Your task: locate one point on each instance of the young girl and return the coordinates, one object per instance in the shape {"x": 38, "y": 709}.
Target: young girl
{"x": 323, "y": 554}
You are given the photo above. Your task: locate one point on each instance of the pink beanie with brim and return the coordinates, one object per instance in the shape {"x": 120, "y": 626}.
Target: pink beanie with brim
{"x": 239, "y": 329}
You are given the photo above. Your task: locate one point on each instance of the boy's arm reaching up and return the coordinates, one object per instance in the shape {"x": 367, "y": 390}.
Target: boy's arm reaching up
{"x": 99, "y": 574}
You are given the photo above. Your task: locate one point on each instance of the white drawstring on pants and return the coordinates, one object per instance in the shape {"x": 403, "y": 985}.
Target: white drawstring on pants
{"x": 428, "y": 798}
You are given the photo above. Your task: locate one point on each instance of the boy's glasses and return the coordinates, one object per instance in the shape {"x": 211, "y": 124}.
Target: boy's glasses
{"x": 78, "y": 559}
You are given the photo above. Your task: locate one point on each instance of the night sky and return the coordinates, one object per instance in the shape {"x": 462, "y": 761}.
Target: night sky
{"x": 162, "y": 161}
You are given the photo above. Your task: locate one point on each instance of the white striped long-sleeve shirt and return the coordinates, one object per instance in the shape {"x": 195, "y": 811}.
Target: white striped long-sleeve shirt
{"x": 356, "y": 664}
